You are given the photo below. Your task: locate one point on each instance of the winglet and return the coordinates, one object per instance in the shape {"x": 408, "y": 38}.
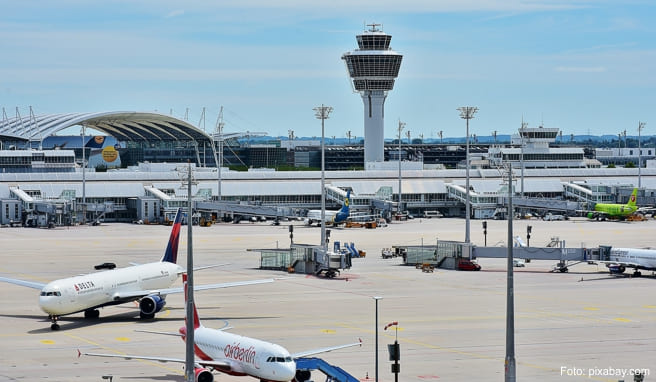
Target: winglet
{"x": 171, "y": 254}
{"x": 78, "y": 353}
{"x": 195, "y": 314}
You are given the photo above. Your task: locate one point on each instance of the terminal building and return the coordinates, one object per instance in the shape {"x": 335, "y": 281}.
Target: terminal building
{"x": 75, "y": 182}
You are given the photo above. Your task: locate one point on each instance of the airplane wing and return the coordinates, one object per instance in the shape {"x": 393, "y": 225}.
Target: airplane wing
{"x": 142, "y": 293}
{"x": 25, "y": 283}
{"x": 324, "y": 350}
{"x": 214, "y": 364}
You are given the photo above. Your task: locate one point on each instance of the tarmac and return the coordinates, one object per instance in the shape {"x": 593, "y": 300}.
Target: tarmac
{"x": 581, "y": 325}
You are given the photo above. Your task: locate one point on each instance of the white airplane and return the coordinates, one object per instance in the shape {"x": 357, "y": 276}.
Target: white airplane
{"x": 332, "y": 217}
{"x": 216, "y": 349}
{"x": 636, "y": 258}
{"x": 147, "y": 283}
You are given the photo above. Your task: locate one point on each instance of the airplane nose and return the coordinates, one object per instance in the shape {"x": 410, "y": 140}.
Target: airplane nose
{"x": 47, "y": 304}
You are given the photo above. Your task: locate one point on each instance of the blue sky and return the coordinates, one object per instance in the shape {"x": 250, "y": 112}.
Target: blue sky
{"x": 584, "y": 66}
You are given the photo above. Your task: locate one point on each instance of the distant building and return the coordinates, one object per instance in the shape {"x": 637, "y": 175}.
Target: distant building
{"x": 531, "y": 148}
{"x": 621, "y": 156}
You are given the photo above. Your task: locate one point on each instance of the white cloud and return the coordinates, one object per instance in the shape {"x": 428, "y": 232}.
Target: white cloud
{"x": 175, "y": 13}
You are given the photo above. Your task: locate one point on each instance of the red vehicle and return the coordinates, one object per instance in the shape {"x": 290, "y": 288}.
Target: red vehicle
{"x": 468, "y": 265}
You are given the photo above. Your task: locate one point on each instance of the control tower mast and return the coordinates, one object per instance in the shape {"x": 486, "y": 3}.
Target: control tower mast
{"x": 373, "y": 67}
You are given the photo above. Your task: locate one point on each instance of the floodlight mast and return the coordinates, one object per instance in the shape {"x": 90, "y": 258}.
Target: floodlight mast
{"x": 641, "y": 125}
{"x": 401, "y": 126}
{"x": 322, "y": 112}
{"x": 467, "y": 113}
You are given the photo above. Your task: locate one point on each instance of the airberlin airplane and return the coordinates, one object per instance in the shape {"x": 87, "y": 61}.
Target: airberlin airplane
{"x": 216, "y": 349}
{"x": 147, "y": 283}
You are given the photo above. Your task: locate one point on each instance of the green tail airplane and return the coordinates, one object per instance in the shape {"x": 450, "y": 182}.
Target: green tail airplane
{"x": 615, "y": 211}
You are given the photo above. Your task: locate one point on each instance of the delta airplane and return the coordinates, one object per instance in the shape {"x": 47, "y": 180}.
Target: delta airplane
{"x": 233, "y": 354}
{"x": 147, "y": 283}
{"x": 333, "y": 217}
{"x": 636, "y": 258}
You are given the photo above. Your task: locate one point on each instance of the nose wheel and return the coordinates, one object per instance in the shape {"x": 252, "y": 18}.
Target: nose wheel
{"x": 55, "y": 325}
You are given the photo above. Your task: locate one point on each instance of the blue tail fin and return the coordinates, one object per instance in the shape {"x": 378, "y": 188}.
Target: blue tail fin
{"x": 343, "y": 213}
{"x": 347, "y": 202}
{"x": 171, "y": 254}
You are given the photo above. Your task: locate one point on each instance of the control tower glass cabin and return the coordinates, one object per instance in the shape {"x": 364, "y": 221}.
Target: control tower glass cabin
{"x": 373, "y": 68}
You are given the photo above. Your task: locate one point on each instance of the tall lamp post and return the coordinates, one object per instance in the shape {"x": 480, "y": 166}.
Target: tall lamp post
{"x": 376, "y": 298}
{"x": 641, "y": 125}
{"x": 322, "y": 113}
{"x": 401, "y": 126}
{"x": 467, "y": 113}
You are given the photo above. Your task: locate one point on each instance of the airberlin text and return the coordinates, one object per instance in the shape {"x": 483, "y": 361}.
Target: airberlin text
{"x": 239, "y": 353}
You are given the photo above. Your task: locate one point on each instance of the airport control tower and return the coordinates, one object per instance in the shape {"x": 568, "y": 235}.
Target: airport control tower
{"x": 373, "y": 67}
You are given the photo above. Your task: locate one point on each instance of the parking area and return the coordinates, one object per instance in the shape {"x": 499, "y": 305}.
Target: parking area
{"x": 451, "y": 323}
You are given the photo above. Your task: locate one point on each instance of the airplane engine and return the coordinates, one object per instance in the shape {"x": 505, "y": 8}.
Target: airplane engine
{"x": 150, "y": 305}
{"x": 203, "y": 375}
{"x": 302, "y": 376}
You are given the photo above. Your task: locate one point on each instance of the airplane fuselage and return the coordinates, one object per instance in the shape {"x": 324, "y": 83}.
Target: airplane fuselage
{"x": 615, "y": 209}
{"x": 246, "y": 356}
{"x": 78, "y": 293}
{"x": 634, "y": 257}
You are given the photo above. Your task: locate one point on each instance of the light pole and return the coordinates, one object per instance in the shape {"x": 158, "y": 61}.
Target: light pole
{"x": 467, "y": 113}
{"x": 641, "y": 125}
{"x": 84, "y": 168}
{"x": 322, "y": 113}
{"x": 189, "y": 312}
{"x": 521, "y": 140}
{"x": 398, "y": 209}
{"x": 376, "y": 298}
{"x": 509, "y": 369}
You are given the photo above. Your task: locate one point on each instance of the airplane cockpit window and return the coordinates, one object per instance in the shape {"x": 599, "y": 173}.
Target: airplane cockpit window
{"x": 56, "y": 293}
{"x": 279, "y": 359}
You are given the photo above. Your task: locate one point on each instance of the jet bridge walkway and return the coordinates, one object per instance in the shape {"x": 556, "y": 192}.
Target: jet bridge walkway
{"x": 333, "y": 373}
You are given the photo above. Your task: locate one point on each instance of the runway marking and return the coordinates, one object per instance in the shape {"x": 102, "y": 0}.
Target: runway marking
{"x": 47, "y": 342}
{"x": 330, "y": 331}
{"x": 590, "y": 308}
{"x": 123, "y": 339}
{"x": 621, "y": 319}
{"x": 649, "y": 306}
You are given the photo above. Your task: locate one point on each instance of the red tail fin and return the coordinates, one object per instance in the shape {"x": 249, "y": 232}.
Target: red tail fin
{"x": 196, "y": 318}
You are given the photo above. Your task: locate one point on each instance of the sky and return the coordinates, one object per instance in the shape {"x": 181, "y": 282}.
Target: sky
{"x": 583, "y": 66}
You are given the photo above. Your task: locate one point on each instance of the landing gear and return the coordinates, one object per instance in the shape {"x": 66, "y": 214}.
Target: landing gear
{"x": 637, "y": 273}
{"x": 55, "y": 325}
{"x": 91, "y": 313}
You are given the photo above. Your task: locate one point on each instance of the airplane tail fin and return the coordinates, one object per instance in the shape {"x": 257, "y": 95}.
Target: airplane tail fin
{"x": 196, "y": 318}
{"x": 633, "y": 198}
{"x": 347, "y": 203}
{"x": 171, "y": 254}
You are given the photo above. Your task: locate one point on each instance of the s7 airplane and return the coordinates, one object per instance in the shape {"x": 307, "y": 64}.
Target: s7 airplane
{"x": 233, "y": 354}
{"x": 615, "y": 210}
{"x": 147, "y": 283}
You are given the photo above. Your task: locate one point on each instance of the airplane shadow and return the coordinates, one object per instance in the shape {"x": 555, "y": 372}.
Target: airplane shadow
{"x": 76, "y": 322}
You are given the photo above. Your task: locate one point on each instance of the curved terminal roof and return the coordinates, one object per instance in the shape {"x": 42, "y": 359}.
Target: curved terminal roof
{"x": 122, "y": 125}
